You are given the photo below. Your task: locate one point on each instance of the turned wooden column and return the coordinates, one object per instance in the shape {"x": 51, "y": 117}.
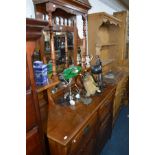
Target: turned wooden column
{"x": 66, "y": 51}
{"x": 84, "y": 18}
{"x": 75, "y": 40}
{"x": 50, "y": 7}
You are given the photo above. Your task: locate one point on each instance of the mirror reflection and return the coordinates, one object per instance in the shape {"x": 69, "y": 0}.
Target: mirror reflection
{"x": 63, "y": 44}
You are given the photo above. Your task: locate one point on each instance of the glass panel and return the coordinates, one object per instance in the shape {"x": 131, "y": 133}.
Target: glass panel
{"x": 59, "y": 44}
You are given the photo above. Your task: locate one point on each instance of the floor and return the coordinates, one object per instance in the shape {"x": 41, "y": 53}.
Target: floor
{"x": 119, "y": 142}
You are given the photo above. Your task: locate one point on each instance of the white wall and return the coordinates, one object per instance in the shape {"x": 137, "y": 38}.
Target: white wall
{"x": 29, "y": 9}
{"x": 99, "y": 6}
{"x": 113, "y": 4}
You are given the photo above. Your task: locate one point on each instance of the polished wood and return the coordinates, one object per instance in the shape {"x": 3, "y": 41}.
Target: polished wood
{"x": 33, "y": 28}
{"x": 32, "y": 119}
{"x": 53, "y": 56}
{"x": 62, "y": 18}
{"x": 74, "y": 7}
{"x": 33, "y": 143}
{"x": 50, "y": 84}
{"x": 84, "y": 51}
{"x": 50, "y": 8}
{"x": 34, "y": 132}
{"x": 80, "y": 126}
{"x": 30, "y": 111}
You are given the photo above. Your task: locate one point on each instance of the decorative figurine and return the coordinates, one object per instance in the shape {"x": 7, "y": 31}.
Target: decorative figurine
{"x": 97, "y": 69}
{"x": 79, "y": 57}
{"x": 90, "y": 85}
{"x": 88, "y": 60}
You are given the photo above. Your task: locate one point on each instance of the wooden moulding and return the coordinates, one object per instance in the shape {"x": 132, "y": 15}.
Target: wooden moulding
{"x": 34, "y": 28}
{"x": 51, "y": 83}
{"x": 59, "y": 28}
{"x": 106, "y": 18}
{"x": 73, "y": 7}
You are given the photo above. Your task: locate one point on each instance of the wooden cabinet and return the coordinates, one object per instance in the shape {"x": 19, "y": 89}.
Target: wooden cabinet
{"x": 82, "y": 130}
{"x": 33, "y": 143}
{"x": 81, "y": 140}
{"x": 34, "y": 133}
{"x": 33, "y": 136}
{"x": 104, "y": 133}
{"x": 121, "y": 91}
{"x": 89, "y": 149}
{"x": 62, "y": 18}
{"x": 30, "y": 111}
{"x": 108, "y": 38}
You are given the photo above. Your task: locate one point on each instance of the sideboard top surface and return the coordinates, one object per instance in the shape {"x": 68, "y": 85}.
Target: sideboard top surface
{"x": 64, "y": 122}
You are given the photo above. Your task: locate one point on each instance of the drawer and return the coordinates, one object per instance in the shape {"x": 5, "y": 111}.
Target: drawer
{"x": 84, "y": 135}
{"x": 106, "y": 108}
{"x": 33, "y": 144}
{"x": 30, "y": 111}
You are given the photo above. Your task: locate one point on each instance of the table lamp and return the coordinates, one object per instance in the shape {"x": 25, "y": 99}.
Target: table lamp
{"x": 69, "y": 74}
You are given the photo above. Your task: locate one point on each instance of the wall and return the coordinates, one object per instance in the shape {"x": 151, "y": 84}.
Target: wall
{"x": 29, "y": 9}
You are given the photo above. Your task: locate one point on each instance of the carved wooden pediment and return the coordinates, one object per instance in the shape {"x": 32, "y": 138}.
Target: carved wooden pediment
{"x": 79, "y": 6}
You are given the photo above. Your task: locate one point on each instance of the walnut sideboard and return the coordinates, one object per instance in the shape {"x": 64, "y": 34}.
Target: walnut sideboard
{"x": 82, "y": 129}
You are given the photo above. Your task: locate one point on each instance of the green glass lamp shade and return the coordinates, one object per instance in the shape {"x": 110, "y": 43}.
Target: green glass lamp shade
{"x": 71, "y": 72}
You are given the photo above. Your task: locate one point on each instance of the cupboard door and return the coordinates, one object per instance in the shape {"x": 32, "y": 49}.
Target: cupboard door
{"x": 84, "y": 136}
{"x": 33, "y": 145}
{"x": 89, "y": 148}
{"x": 106, "y": 108}
{"x": 104, "y": 132}
{"x": 30, "y": 111}
{"x": 28, "y": 82}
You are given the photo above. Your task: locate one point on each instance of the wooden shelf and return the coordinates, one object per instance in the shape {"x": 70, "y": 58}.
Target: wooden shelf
{"x": 107, "y": 62}
{"x": 108, "y": 44}
{"x": 50, "y": 84}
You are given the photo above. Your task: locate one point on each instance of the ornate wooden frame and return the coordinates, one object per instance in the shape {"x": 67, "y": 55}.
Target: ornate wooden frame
{"x": 65, "y": 11}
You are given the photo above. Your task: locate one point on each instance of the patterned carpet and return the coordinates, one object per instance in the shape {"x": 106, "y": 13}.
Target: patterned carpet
{"x": 119, "y": 142}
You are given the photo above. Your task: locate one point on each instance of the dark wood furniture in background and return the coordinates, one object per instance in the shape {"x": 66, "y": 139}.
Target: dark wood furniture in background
{"x": 34, "y": 132}
{"x": 81, "y": 129}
